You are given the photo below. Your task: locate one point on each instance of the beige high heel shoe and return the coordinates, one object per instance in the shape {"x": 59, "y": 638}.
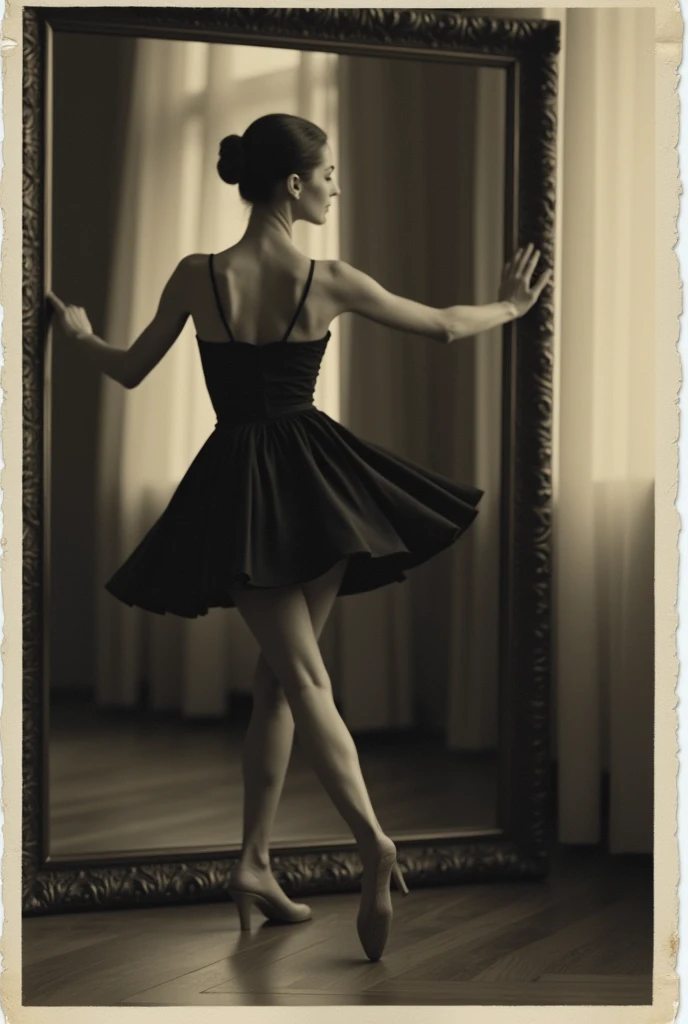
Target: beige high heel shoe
{"x": 375, "y": 912}
{"x": 284, "y": 912}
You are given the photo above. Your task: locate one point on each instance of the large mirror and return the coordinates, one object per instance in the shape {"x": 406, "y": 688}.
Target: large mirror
{"x": 144, "y": 715}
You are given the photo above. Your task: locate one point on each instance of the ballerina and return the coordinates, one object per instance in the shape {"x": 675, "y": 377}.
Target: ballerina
{"x": 283, "y": 509}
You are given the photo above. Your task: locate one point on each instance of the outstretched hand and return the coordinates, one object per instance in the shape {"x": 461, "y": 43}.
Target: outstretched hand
{"x": 72, "y": 319}
{"x": 516, "y": 284}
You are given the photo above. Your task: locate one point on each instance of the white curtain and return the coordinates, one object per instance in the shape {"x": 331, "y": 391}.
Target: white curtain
{"x": 186, "y": 97}
{"x": 605, "y": 405}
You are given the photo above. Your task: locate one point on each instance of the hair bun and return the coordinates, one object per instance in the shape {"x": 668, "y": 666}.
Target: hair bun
{"x": 231, "y": 164}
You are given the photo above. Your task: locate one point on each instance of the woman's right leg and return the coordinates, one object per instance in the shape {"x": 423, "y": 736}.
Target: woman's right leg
{"x": 281, "y": 623}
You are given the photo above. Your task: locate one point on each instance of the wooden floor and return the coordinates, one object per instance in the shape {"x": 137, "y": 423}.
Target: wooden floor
{"x": 125, "y": 780}
{"x": 583, "y": 936}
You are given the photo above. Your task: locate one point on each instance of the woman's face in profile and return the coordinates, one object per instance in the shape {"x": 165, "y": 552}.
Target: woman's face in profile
{"x": 318, "y": 192}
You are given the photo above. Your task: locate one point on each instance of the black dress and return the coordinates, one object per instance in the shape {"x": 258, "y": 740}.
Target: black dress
{"x": 280, "y": 492}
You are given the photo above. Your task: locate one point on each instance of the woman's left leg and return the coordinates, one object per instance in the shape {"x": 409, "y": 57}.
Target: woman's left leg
{"x": 269, "y": 739}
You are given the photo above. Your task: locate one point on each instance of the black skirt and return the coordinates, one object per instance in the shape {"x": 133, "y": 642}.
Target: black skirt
{"x": 278, "y": 501}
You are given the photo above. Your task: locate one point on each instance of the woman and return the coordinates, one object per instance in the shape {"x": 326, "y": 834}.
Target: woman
{"x": 283, "y": 509}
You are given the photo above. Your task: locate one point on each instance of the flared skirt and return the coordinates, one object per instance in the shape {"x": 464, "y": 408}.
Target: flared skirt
{"x": 272, "y": 503}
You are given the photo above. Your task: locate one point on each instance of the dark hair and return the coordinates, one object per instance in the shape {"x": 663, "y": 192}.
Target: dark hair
{"x": 271, "y": 148}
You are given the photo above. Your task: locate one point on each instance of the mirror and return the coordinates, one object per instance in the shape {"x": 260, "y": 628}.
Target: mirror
{"x": 442, "y": 678}
{"x": 147, "y": 713}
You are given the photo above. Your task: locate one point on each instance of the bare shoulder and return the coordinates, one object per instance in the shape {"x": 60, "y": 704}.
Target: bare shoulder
{"x": 335, "y": 270}
{"x": 193, "y": 262}
{"x": 177, "y": 295}
{"x": 189, "y": 272}
{"x": 340, "y": 277}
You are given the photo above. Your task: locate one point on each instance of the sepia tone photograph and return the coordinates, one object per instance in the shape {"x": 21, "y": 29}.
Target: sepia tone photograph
{"x": 339, "y": 507}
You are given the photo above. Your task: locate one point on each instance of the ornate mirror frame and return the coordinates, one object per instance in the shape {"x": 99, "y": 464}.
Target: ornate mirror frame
{"x": 527, "y": 50}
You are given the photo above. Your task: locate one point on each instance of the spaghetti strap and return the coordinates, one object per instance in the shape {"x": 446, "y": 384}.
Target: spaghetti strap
{"x": 301, "y": 303}
{"x": 217, "y": 298}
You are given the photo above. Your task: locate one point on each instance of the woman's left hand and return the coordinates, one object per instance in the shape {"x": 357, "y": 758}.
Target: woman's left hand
{"x": 517, "y": 287}
{"x": 72, "y": 319}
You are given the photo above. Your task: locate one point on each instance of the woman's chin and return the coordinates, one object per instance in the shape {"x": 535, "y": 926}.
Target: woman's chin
{"x": 322, "y": 219}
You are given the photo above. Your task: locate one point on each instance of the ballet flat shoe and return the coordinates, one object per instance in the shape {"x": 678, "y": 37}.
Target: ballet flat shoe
{"x": 295, "y": 913}
{"x": 375, "y": 913}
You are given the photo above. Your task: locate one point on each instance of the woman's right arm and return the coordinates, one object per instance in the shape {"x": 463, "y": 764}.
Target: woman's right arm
{"x": 356, "y": 292}
{"x": 130, "y": 365}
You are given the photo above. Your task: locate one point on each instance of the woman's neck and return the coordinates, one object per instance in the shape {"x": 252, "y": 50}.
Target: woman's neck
{"x": 269, "y": 224}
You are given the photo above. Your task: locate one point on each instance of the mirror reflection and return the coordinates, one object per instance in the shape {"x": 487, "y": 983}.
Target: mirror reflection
{"x": 149, "y": 712}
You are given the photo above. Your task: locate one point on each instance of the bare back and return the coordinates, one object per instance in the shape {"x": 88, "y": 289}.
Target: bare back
{"x": 258, "y": 295}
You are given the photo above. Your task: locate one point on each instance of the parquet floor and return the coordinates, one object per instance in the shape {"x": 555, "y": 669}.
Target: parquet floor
{"x": 582, "y": 936}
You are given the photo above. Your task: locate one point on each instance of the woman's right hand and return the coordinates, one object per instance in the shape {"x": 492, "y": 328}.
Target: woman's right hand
{"x": 516, "y": 286}
{"x": 73, "y": 319}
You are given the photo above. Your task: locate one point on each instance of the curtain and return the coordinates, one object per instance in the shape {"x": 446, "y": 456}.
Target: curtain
{"x": 421, "y": 211}
{"x": 604, "y": 451}
{"x": 186, "y": 96}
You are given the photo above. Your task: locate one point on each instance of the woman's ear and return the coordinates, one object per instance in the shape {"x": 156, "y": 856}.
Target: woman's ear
{"x": 294, "y": 186}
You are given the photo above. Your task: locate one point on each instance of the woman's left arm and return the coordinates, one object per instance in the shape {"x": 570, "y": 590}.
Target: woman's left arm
{"x": 129, "y": 366}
